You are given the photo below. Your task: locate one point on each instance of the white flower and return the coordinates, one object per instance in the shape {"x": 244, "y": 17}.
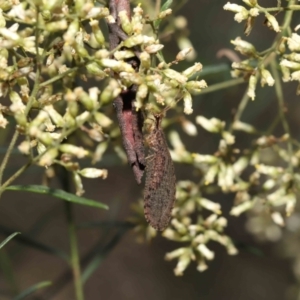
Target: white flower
{"x": 254, "y": 12}
{"x": 234, "y": 7}
{"x": 294, "y": 42}
{"x": 3, "y": 121}
{"x": 187, "y": 99}
{"x": 272, "y": 20}
{"x": 252, "y": 87}
{"x": 267, "y": 78}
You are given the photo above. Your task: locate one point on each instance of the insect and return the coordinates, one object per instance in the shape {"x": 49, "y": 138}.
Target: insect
{"x": 130, "y": 120}
{"x": 160, "y": 185}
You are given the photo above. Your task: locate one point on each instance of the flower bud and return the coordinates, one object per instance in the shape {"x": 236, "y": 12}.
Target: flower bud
{"x": 54, "y": 115}
{"x": 79, "y": 152}
{"x": 78, "y": 184}
{"x": 93, "y": 173}
{"x": 183, "y": 53}
{"x": 154, "y": 48}
{"x": 69, "y": 36}
{"x": 125, "y": 22}
{"x": 117, "y": 66}
{"x": 195, "y": 87}
{"x": 145, "y": 60}
{"x": 98, "y": 153}
{"x": 124, "y": 54}
{"x": 83, "y": 117}
{"x": 133, "y": 41}
{"x": 183, "y": 262}
{"x": 165, "y": 13}
{"x": 208, "y": 254}
{"x": 209, "y": 159}
{"x": 238, "y": 125}
{"x": 290, "y": 204}
{"x": 137, "y": 19}
{"x": 2, "y": 20}
{"x": 25, "y": 147}
{"x": 97, "y": 32}
{"x": 202, "y": 266}
{"x": 3, "y": 121}
{"x": 172, "y": 74}
{"x": 277, "y": 218}
{"x": 97, "y": 13}
{"x": 102, "y": 119}
{"x": 187, "y": 100}
{"x": 189, "y": 127}
{"x": 290, "y": 64}
{"x": 269, "y": 170}
{"x": 94, "y": 69}
{"x": 103, "y": 53}
{"x": 239, "y": 209}
{"x": 252, "y": 86}
{"x": 234, "y": 7}
{"x": 211, "y": 174}
{"x": 56, "y": 26}
{"x": 244, "y": 47}
{"x": 294, "y": 42}
{"x": 210, "y": 205}
{"x": 211, "y": 125}
{"x": 37, "y": 121}
{"x": 192, "y": 70}
{"x": 111, "y": 91}
{"x": 176, "y": 253}
{"x": 47, "y": 158}
{"x": 266, "y": 78}
{"x": 295, "y": 76}
{"x": 273, "y": 22}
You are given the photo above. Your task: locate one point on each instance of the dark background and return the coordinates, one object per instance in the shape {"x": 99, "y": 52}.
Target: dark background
{"x": 138, "y": 271}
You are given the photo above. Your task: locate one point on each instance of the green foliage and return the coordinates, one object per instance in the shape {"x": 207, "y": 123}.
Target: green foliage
{"x": 32, "y": 290}
{"x": 39, "y": 189}
{"x": 48, "y": 49}
{"x": 2, "y": 244}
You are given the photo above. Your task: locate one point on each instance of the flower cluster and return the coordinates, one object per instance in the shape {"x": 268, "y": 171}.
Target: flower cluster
{"x": 41, "y": 74}
{"x": 271, "y": 190}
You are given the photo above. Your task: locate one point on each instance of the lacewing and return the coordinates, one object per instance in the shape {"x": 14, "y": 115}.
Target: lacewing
{"x": 160, "y": 185}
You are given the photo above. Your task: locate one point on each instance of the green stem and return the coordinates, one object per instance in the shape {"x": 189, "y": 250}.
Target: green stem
{"x": 222, "y": 85}
{"x": 59, "y": 76}
{"x": 288, "y": 16}
{"x": 240, "y": 109}
{"x": 7, "y": 155}
{"x": 278, "y": 9}
{"x": 280, "y": 98}
{"x": 14, "y": 177}
{"x": 74, "y": 252}
{"x": 35, "y": 159}
{"x": 157, "y": 7}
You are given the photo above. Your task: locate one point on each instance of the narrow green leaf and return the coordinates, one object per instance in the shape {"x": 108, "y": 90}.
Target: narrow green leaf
{"x": 213, "y": 69}
{"x": 8, "y": 272}
{"x": 8, "y": 239}
{"x": 105, "y": 224}
{"x": 40, "y": 189}
{"x": 28, "y": 241}
{"x": 166, "y": 5}
{"x": 101, "y": 255}
{"x": 32, "y": 289}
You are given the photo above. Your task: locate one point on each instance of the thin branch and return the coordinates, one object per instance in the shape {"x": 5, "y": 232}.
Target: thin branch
{"x": 157, "y": 6}
{"x": 8, "y": 153}
{"x": 74, "y": 252}
{"x": 222, "y": 85}
{"x": 281, "y": 106}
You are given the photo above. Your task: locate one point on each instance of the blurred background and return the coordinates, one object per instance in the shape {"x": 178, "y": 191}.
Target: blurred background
{"x": 130, "y": 270}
